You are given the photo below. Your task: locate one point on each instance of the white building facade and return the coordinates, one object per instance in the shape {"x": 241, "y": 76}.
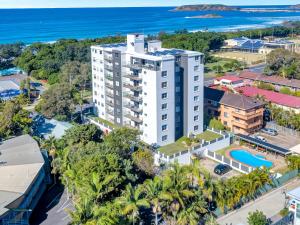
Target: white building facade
{"x": 144, "y": 86}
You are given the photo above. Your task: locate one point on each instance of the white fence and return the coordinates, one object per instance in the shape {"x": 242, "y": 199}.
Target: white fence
{"x": 223, "y": 159}
{"x": 184, "y": 156}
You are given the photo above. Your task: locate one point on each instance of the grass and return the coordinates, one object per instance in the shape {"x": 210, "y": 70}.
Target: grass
{"x": 208, "y": 135}
{"x": 108, "y": 123}
{"x": 173, "y": 148}
{"x": 180, "y": 145}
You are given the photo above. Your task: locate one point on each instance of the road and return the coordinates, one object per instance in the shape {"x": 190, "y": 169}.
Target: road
{"x": 52, "y": 208}
{"x": 270, "y": 204}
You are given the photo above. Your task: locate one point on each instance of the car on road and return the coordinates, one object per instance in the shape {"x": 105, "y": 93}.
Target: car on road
{"x": 221, "y": 169}
{"x": 269, "y": 131}
{"x": 261, "y": 138}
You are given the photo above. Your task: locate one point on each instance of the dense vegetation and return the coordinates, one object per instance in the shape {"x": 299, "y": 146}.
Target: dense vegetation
{"x": 8, "y": 53}
{"x": 283, "y": 63}
{"x": 14, "y": 120}
{"x": 257, "y": 218}
{"x": 110, "y": 185}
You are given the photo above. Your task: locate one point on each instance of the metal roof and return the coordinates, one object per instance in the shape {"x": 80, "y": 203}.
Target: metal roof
{"x": 20, "y": 162}
{"x": 266, "y": 145}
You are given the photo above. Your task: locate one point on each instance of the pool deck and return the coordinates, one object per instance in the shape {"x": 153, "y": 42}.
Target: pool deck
{"x": 279, "y": 163}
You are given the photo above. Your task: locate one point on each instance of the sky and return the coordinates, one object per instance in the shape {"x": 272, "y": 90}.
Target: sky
{"x": 130, "y": 3}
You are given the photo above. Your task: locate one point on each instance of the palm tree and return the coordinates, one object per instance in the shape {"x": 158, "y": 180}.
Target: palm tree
{"x": 132, "y": 200}
{"x": 153, "y": 190}
{"x": 82, "y": 212}
{"x": 210, "y": 220}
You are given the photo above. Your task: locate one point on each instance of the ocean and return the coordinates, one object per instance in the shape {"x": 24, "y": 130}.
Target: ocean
{"x": 47, "y": 25}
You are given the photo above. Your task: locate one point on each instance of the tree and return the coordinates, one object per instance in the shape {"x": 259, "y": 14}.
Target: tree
{"x": 257, "y": 218}
{"x": 131, "y": 201}
{"x": 57, "y": 101}
{"x": 144, "y": 160}
{"x": 14, "y": 120}
{"x": 216, "y": 124}
{"x": 83, "y": 134}
{"x": 210, "y": 220}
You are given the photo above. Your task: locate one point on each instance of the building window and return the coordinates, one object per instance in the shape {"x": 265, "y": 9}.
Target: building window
{"x": 196, "y": 128}
{"x": 164, "y": 106}
{"x": 196, "y": 88}
{"x": 146, "y": 125}
{"x": 196, "y": 78}
{"x": 196, "y": 98}
{"x": 164, "y": 117}
{"x": 196, "y": 118}
{"x": 196, "y": 108}
{"x": 196, "y": 68}
{"x": 177, "y": 109}
{"x": 177, "y": 89}
{"x": 116, "y": 55}
{"x": 197, "y": 58}
{"x": 164, "y": 95}
{"x": 117, "y": 83}
{"x": 225, "y": 123}
{"x": 164, "y": 138}
{"x": 164, "y": 74}
{"x": 226, "y": 114}
{"x": 164, "y": 127}
{"x": 100, "y": 52}
{"x": 164, "y": 84}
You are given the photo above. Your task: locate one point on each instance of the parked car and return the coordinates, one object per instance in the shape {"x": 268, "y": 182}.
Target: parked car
{"x": 221, "y": 169}
{"x": 260, "y": 138}
{"x": 269, "y": 131}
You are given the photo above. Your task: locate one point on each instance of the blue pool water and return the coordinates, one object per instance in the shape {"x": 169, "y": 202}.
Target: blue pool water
{"x": 10, "y": 71}
{"x": 249, "y": 159}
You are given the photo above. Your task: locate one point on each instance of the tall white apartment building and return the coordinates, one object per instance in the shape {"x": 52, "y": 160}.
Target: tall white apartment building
{"x": 156, "y": 90}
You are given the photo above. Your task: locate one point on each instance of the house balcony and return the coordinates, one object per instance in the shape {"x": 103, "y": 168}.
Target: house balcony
{"x": 247, "y": 116}
{"x": 246, "y": 126}
{"x": 109, "y": 85}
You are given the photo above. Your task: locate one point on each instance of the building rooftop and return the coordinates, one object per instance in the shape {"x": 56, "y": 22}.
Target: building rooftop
{"x": 271, "y": 96}
{"x": 8, "y": 85}
{"x": 277, "y": 80}
{"x": 167, "y": 52}
{"x": 240, "y": 101}
{"x": 20, "y": 162}
{"x": 114, "y": 45}
{"x": 231, "y": 78}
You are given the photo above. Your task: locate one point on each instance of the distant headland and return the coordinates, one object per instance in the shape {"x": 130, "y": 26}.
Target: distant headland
{"x": 206, "y": 7}
{"x": 220, "y": 7}
{"x": 207, "y": 16}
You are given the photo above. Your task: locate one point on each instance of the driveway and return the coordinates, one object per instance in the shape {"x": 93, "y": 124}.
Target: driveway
{"x": 270, "y": 204}
{"x": 52, "y": 208}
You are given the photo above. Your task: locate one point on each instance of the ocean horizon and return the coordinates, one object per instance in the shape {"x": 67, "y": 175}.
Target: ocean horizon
{"x": 50, "y": 24}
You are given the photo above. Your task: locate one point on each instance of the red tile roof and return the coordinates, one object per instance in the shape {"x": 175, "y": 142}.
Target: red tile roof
{"x": 270, "y": 79}
{"x": 274, "y": 97}
{"x": 231, "y": 78}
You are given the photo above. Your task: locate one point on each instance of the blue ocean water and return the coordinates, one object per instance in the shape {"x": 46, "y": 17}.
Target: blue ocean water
{"x": 31, "y": 25}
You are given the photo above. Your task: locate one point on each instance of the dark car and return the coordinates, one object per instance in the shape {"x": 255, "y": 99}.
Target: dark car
{"x": 221, "y": 169}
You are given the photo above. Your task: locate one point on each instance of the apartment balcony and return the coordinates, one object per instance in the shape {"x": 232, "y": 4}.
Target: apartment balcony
{"x": 133, "y": 98}
{"x": 247, "y": 116}
{"x": 109, "y": 85}
{"x": 110, "y": 103}
{"x": 108, "y": 57}
{"x": 136, "y": 66}
{"x": 109, "y": 94}
{"x": 108, "y": 67}
{"x": 109, "y": 111}
{"x": 129, "y": 125}
{"x": 132, "y": 77}
{"x": 108, "y": 76}
{"x": 132, "y": 87}
{"x": 133, "y": 108}
{"x": 246, "y": 126}
{"x": 134, "y": 118}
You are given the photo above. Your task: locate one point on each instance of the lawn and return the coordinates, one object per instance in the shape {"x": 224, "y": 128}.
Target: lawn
{"x": 108, "y": 123}
{"x": 179, "y": 145}
{"x": 208, "y": 135}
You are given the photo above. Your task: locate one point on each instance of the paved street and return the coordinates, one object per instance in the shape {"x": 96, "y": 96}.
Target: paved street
{"x": 270, "y": 204}
{"x": 51, "y": 209}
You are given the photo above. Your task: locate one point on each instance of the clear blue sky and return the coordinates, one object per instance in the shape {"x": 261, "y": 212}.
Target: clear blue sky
{"x": 129, "y": 3}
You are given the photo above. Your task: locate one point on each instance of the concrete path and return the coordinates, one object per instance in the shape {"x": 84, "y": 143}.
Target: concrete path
{"x": 270, "y": 204}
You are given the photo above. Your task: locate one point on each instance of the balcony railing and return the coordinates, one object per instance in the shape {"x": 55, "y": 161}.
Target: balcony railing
{"x": 108, "y": 57}
{"x": 109, "y": 94}
{"x": 109, "y": 111}
{"x": 133, "y": 108}
{"x": 108, "y": 67}
{"x": 132, "y": 97}
{"x": 110, "y": 103}
{"x": 132, "y": 77}
{"x": 134, "y": 118}
{"x": 244, "y": 125}
{"x": 108, "y": 76}
{"x": 109, "y": 85}
{"x": 132, "y": 87}
{"x": 247, "y": 116}
{"x": 142, "y": 66}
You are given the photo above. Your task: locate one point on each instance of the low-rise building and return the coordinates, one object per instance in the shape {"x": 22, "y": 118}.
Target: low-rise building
{"x": 239, "y": 113}
{"x": 23, "y": 179}
{"x": 277, "y": 81}
{"x": 294, "y": 206}
{"x": 284, "y": 101}
{"x": 229, "y": 81}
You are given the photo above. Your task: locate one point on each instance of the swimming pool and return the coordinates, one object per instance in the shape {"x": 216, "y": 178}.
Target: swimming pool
{"x": 246, "y": 157}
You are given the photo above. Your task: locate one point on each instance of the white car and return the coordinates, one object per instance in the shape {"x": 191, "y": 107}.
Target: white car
{"x": 260, "y": 138}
